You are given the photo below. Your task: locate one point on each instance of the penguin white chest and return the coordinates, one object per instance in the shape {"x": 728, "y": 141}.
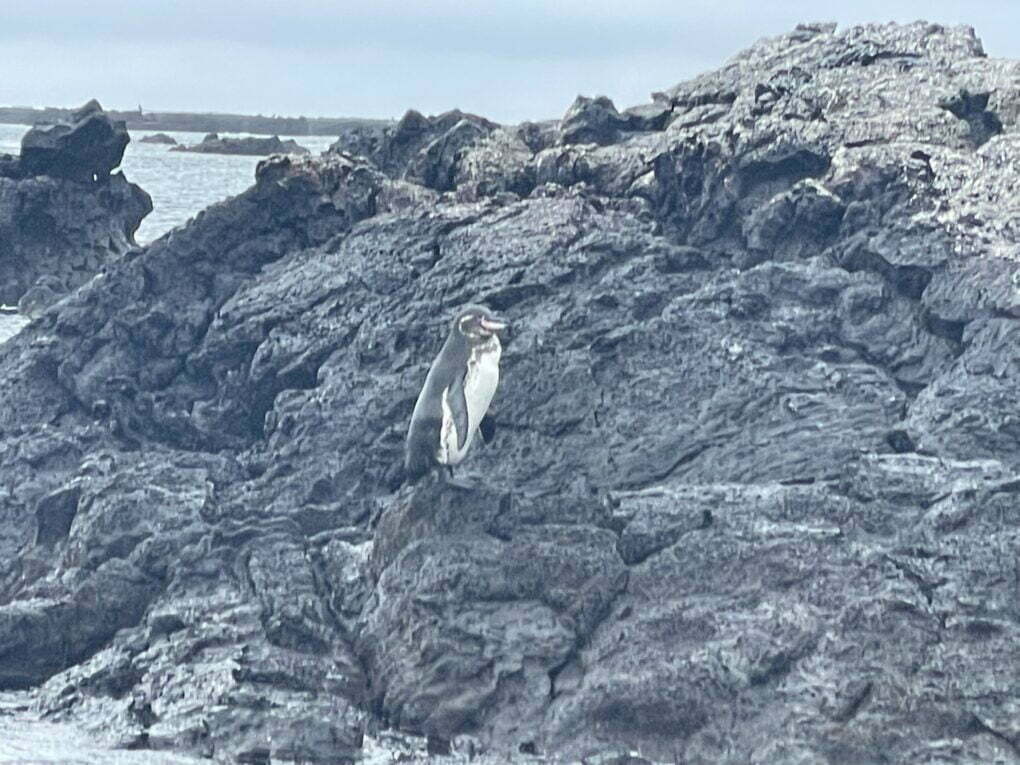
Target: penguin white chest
{"x": 480, "y": 381}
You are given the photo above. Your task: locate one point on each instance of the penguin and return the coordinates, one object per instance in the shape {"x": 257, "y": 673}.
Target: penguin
{"x": 457, "y": 392}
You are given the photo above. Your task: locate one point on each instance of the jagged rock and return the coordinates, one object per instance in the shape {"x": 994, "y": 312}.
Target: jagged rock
{"x": 751, "y": 493}
{"x": 648, "y": 117}
{"x": 10, "y": 167}
{"x": 87, "y": 149}
{"x": 62, "y": 215}
{"x": 425, "y": 150}
{"x": 591, "y": 120}
{"x": 497, "y": 164}
{"x": 258, "y": 147}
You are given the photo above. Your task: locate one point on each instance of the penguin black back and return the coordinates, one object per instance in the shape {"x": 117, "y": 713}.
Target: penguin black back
{"x": 420, "y": 453}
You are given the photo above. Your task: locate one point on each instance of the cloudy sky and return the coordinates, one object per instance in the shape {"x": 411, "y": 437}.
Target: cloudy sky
{"x": 506, "y": 59}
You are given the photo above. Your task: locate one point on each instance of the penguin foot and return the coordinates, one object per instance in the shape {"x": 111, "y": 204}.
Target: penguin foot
{"x": 445, "y": 478}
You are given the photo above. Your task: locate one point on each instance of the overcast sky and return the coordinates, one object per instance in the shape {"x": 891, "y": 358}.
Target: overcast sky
{"x": 508, "y": 60}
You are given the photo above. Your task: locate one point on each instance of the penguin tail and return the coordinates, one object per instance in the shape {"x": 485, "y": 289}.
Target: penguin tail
{"x": 420, "y": 451}
{"x": 415, "y": 469}
{"x": 487, "y": 428}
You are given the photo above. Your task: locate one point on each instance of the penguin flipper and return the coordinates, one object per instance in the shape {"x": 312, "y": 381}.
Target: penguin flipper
{"x": 457, "y": 401}
{"x": 487, "y": 428}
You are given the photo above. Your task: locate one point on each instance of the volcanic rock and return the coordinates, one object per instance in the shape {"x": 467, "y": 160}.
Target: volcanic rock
{"x": 62, "y": 215}
{"x": 86, "y": 149}
{"x": 591, "y": 120}
{"x": 424, "y": 150}
{"x": 751, "y": 495}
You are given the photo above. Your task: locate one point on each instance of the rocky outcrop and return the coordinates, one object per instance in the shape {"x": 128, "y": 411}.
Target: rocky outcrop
{"x": 169, "y": 140}
{"x": 63, "y": 216}
{"x": 424, "y": 150}
{"x": 259, "y": 147}
{"x": 86, "y": 149}
{"x": 750, "y": 496}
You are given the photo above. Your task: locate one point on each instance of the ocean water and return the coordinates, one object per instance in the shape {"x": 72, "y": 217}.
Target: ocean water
{"x": 180, "y": 183}
{"x": 27, "y": 740}
{"x": 10, "y": 324}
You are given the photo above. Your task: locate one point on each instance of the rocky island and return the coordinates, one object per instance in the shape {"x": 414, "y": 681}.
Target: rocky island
{"x": 169, "y": 140}
{"x": 260, "y": 147}
{"x": 752, "y": 491}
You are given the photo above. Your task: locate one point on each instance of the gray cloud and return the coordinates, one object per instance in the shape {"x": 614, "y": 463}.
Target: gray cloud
{"x": 507, "y": 60}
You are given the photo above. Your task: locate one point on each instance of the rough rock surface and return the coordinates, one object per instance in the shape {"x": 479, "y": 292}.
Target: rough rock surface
{"x": 259, "y": 147}
{"x": 63, "y": 216}
{"x": 424, "y": 150}
{"x": 85, "y": 149}
{"x": 752, "y": 496}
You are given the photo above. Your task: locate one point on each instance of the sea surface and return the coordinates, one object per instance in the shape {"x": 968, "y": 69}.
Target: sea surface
{"x": 180, "y": 183}
{"x": 26, "y": 739}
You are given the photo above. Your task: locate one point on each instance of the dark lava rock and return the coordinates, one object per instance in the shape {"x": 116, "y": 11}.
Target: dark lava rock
{"x": 86, "y": 149}
{"x": 751, "y": 495}
{"x": 425, "y": 150}
{"x": 591, "y": 120}
{"x": 653, "y": 116}
{"x": 259, "y": 147}
{"x": 159, "y": 138}
{"x": 63, "y": 217}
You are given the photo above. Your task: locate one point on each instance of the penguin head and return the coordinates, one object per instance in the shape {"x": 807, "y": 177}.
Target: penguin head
{"x": 477, "y": 324}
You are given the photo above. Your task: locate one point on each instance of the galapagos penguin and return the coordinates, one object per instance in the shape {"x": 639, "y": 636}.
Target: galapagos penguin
{"x": 457, "y": 392}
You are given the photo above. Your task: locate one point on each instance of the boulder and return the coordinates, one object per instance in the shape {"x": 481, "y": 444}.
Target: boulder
{"x": 591, "y": 120}
{"x": 85, "y": 149}
{"x": 63, "y": 217}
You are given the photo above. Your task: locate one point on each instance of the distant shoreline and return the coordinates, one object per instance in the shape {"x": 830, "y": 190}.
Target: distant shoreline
{"x": 200, "y": 123}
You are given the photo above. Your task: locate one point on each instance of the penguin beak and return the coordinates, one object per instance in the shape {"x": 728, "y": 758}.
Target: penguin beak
{"x": 494, "y": 324}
